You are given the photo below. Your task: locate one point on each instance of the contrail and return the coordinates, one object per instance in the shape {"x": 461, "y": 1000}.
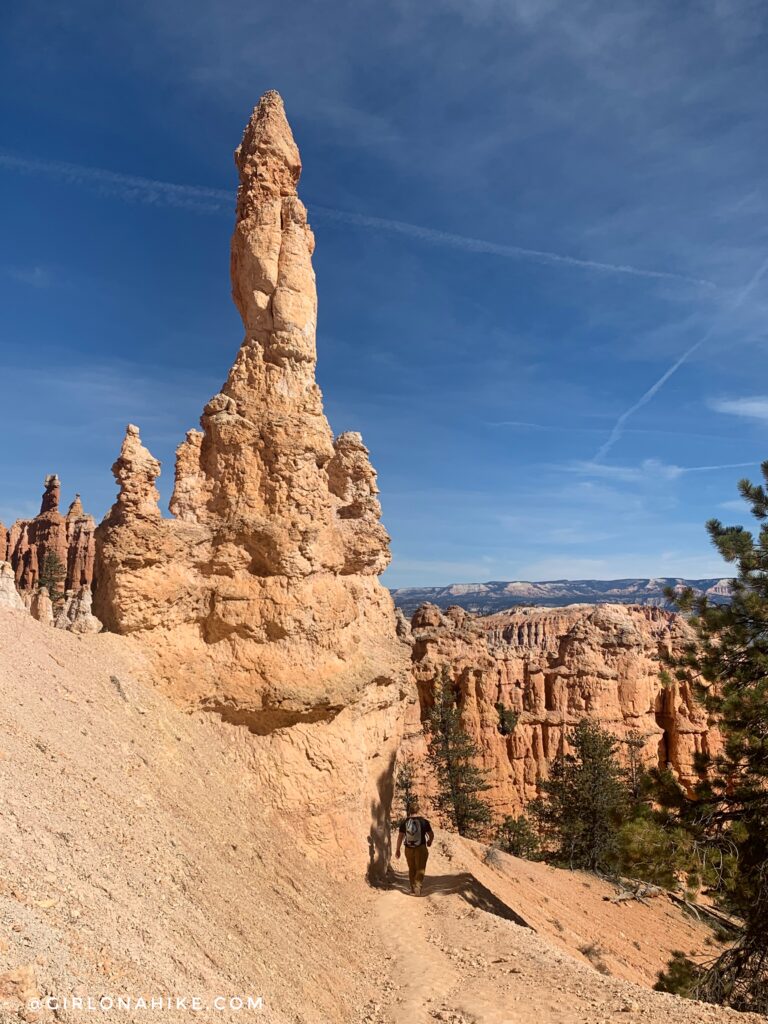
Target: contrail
{"x": 647, "y": 469}
{"x": 468, "y": 244}
{"x": 709, "y": 469}
{"x": 741, "y": 296}
{"x": 202, "y": 199}
{"x": 125, "y": 186}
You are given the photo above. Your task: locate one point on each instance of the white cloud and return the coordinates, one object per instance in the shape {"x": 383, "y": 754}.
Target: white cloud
{"x": 9, "y": 513}
{"x": 417, "y": 572}
{"x": 755, "y": 408}
{"x": 735, "y": 505}
{"x": 35, "y": 277}
{"x": 465, "y": 243}
{"x": 129, "y": 187}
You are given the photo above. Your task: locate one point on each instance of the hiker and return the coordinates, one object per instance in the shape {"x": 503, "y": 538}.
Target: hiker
{"x": 418, "y": 835}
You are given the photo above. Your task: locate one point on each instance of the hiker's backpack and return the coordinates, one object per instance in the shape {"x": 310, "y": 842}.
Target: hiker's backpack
{"x": 413, "y": 831}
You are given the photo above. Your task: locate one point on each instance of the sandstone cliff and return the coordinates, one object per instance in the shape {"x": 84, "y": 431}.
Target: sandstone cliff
{"x": 552, "y": 667}
{"x": 70, "y": 538}
{"x": 261, "y": 598}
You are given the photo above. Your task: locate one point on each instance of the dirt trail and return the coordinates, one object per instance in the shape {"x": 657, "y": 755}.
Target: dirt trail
{"x": 460, "y": 955}
{"x": 446, "y": 972}
{"x": 423, "y": 972}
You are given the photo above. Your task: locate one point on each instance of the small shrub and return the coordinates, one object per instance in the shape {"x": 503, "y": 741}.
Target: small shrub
{"x": 594, "y": 954}
{"x": 680, "y": 977}
{"x": 518, "y": 837}
{"x": 508, "y": 719}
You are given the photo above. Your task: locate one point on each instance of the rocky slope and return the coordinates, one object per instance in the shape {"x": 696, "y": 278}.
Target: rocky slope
{"x": 261, "y": 600}
{"x": 141, "y": 858}
{"x": 552, "y": 667}
{"x": 139, "y": 854}
{"x": 495, "y": 596}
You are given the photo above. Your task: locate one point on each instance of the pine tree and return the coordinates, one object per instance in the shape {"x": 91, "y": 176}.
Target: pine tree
{"x": 405, "y": 786}
{"x": 454, "y": 756}
{"x": 584, "y": 801}
{"x": 637, "y": 775}
{"x": 656, "y": 851}
{"x": 51, "y": 575}
{"x": 651, "y": 844}
{"x": 519, "y": 837}
{"x": 730, "y": 812}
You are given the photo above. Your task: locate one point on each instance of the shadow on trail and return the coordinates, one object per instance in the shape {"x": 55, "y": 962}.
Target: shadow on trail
{"x": 464, "y": 885}
{"x": 381, "y": 875}
{"x": 379, "y": 838}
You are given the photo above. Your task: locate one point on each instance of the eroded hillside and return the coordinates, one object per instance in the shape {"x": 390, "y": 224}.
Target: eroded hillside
{"x": 141, "y": 856}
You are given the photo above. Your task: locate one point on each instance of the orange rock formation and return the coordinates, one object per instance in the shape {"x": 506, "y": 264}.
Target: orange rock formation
{"x": 261, "y": 598}
{"x": 70, "y": 538}
{"x": 553, "y": 666}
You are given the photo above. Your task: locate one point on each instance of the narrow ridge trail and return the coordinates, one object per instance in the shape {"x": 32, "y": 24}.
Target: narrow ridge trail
{"x": 460, "y": 955}
{"x": 444, "y": 965}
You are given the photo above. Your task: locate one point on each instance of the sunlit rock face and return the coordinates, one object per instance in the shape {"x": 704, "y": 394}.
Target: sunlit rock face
{"x": 261, "y": 599}
{"x": 552, "y": 667}
{"x": 9, "y": 595}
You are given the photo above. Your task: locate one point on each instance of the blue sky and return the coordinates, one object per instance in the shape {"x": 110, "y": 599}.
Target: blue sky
{"x": 542, "y": 258}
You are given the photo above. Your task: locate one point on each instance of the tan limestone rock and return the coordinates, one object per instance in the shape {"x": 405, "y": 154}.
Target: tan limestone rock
{"x": 553, "y": 666}
{"x": 189, "y": 493}
{"x": 41, "y": 606}
{"x": 75, "y": 613}
{"x": 81, "y": 547}
{"x": 19, "y": 985}
{"x": 9, "y": 595}
{"x": 261, "y": 598}
{"x": 135, "y": 472}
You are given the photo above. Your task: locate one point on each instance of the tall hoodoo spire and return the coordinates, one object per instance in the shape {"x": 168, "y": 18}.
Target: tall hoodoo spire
{"x": 50, "y": 502}
{"x": 261, "y": 596}
{"x": 76, "y": 508}
{"x": 267, "y": 158}
{"x": 273, "y": 283}
{"x": 70, "y": 540}
{"x": 136, "y": 471}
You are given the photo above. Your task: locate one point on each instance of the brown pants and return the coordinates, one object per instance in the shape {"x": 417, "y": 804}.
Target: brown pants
{"x": 417, "y": 864}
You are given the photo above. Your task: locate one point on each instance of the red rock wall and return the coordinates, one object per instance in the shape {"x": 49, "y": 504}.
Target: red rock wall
{"x": 553, "y": 667}
{"x": 71, "y": 538}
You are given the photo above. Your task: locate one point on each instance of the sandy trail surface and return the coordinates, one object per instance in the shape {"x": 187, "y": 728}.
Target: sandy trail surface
{"x": 460, "y": 955}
